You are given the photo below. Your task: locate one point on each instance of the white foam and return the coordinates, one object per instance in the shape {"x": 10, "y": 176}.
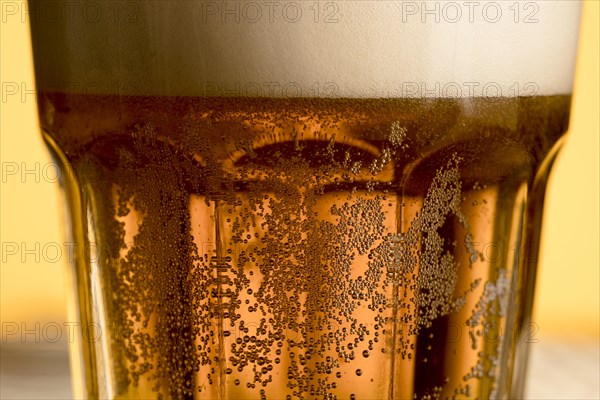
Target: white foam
{"x": 311, "y": 49}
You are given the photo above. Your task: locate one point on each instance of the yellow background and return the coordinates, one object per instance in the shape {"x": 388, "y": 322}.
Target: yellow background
{"x": 567, "y": 302}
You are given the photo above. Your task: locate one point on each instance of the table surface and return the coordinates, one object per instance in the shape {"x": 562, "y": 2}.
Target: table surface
{"x": 558, "y": 370}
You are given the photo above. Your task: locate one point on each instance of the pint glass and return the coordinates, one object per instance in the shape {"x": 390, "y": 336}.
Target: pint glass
{"x": 303, "y": 199}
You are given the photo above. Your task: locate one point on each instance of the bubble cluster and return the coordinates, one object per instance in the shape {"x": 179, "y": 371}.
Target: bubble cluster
{"x": 285, "y": 249}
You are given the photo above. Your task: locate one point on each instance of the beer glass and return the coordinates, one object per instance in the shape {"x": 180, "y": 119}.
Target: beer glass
{"x": 303, "y": 199}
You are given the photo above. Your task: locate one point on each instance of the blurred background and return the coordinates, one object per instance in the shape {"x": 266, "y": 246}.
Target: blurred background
{"x": 565, "y": 360}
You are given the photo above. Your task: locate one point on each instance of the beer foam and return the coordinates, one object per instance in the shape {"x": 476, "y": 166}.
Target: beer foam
{"x": 276, "y": 48}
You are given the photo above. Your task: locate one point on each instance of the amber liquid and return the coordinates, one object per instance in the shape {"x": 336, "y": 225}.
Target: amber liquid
{"x": 304, "y": 248}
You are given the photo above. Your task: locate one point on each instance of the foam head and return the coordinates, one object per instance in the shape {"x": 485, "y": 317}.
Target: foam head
{"x": 306, "y": 49}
